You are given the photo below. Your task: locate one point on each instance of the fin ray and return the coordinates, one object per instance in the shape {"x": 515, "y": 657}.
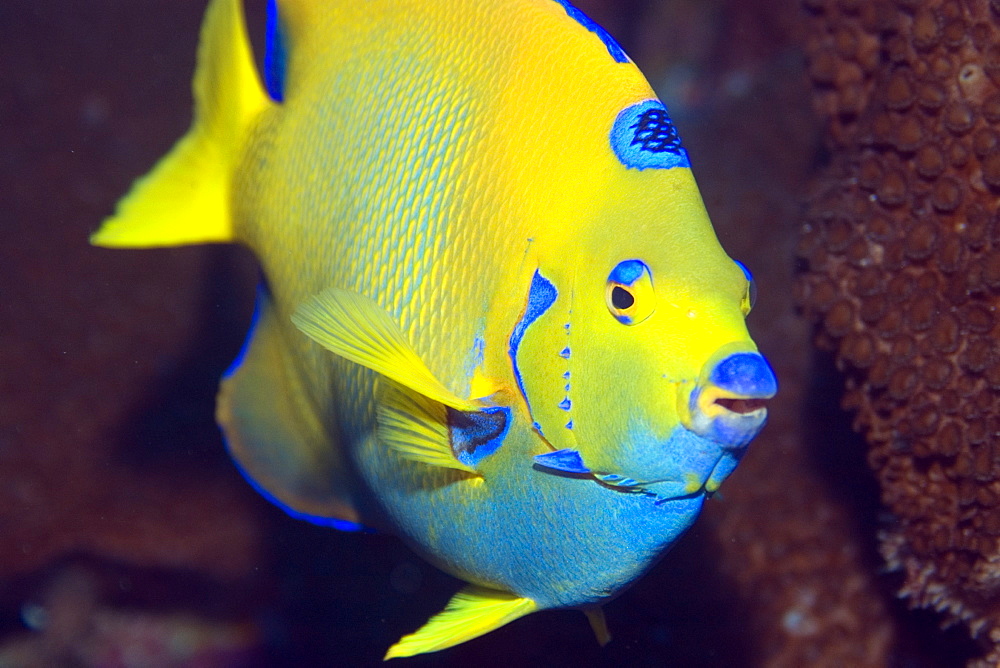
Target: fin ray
{"x": 416, "y": 427}
{"x": 358, "y": 329}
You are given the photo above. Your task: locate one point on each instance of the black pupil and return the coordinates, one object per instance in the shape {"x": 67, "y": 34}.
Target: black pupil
{"x": 621, "y": 298}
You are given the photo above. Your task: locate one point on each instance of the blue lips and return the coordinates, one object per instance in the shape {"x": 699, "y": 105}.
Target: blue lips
{"x": 727, "y": 406}
{"x": 747, "y": 375}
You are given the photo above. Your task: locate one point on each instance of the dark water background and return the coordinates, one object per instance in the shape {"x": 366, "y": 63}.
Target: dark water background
{"x": 128, "y": 538}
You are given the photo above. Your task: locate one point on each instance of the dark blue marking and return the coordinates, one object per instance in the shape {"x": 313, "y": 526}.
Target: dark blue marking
{"x": 275, "y": 54}
{"x": 628, "y": 272}
{"x": 745, "y": 374}
{"x": 541, "y": 295}
{"x": 476, "y": 435}
{"x": 609, "y": 42}
{"x": 564, "y": 353}
{"x": 753, "y": 283}
{"x": 566, "y": 460}
{"x": 565, "y": 404}
{"x": 566, "y": 375}
{"x": 258, "y": 307}
{"x": 569, "y": 425}
{"x": 643, "y": 136}
{"x": 332, "y": 522}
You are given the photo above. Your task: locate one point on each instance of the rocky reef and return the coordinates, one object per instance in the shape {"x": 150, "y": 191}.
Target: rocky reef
{"x": 901, "y": 247}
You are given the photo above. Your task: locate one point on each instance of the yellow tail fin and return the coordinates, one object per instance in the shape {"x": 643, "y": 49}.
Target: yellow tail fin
{"x": 186, "y": 198}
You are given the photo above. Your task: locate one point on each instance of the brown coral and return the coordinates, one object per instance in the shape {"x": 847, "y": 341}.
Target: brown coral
{"x": 903, "y": 253}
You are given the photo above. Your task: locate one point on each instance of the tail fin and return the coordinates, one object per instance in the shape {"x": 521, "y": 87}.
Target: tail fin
{"x": 186, "y": 197}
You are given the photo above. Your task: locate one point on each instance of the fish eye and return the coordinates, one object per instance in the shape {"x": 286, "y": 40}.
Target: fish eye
{"x": 629, "y": 293}
{"x": 750, "y": 297}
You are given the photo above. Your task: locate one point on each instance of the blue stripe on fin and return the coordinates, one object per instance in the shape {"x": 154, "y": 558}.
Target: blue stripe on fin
{"x": 258, "y": 307}
{"x": 275, "y": 53}
{"x": 609, "y": 42}
{"x": 566, "y": 460}
{"x": 319, "y": 520}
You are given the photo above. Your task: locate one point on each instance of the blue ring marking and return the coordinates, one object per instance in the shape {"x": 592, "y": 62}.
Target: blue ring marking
{"x": 628, "y": 272}
{"x": 565, "y": 460}
{"x": 610, "y": 44}
{"x": 476, "y": 435}
{"x": 541, "y": 295}
{"x": 745, "y": 374}
{"x": 643, "y": 136}
{"x": 275, "y": 54}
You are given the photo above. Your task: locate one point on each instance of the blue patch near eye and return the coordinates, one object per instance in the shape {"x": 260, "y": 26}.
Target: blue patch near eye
{"x": 628, "y": 272}
{"x": 478, "y": 434}
{"x": 609, "y": 42}
{"x": 565, "y": 460}
{"x": 643, "y": 136}
{"x": 274, "y": 54}
{"x": 541, "y": 295}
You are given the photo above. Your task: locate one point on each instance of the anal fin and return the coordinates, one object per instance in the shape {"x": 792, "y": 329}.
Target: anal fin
{"x": 470, "y": 613}
{"x": 276, "y": 433}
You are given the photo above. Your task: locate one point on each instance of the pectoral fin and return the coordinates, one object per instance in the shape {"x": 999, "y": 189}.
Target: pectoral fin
{"x": 356, "y": 328}
{"x": 416, "y": 427}
{"x": 471, "y": 613}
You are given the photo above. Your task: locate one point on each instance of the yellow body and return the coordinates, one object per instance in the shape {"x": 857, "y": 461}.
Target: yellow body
{"x": 432, "y": 169}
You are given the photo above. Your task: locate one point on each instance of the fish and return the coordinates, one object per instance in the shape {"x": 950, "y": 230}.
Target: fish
{"x": 494, "y": 318}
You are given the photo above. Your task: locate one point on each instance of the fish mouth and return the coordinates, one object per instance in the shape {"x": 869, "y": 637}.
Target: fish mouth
{"x": 729, "y": 403}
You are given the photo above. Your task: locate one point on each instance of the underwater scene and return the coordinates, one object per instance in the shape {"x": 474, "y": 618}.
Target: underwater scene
{"x": 433, "y": 448}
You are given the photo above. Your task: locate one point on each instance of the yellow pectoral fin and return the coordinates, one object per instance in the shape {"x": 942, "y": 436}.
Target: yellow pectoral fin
{"x": 358, "y": 329}
{"x": 416, "y": 427}
{"x": 470, "y": 613}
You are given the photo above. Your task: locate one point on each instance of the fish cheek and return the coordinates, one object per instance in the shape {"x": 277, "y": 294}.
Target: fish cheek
{"x": 623, "y": 399}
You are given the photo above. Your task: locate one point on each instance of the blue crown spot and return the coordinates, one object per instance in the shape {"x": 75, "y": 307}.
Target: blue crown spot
{"x": 643, "y": 136}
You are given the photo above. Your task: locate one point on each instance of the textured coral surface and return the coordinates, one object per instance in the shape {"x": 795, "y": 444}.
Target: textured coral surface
{"x": 123, "y": 524}
{"x": 902, "y": 245}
